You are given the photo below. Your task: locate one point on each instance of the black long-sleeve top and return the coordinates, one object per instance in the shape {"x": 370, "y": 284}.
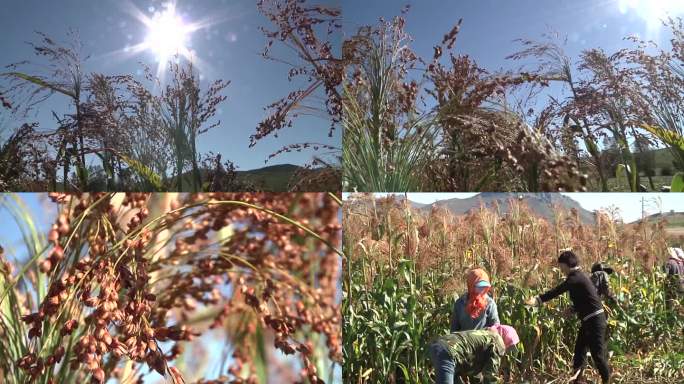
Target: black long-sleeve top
{"x": 585, "y": 300}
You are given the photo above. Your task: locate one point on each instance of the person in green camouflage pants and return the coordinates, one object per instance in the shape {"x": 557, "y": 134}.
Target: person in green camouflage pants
{"x": 471, "y": 353}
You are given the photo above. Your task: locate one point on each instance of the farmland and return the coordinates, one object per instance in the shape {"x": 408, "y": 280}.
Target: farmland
{"x": 405, "y": 266}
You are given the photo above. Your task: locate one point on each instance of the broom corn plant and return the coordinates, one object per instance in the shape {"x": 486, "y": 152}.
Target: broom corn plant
{"x": 405, "y": 268}
{"x": 469, "y": 129}
{"x": 146, "y": 134}
{"x": 121, "y": 285}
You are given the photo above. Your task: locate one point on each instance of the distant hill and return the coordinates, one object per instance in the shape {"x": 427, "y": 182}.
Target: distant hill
{"x": 675, "y": 223}
{"x": 414, "y": 204}
{"x": 276, "y": 178}
{"x": 539, "y": 203}
{"x": 271, "y": 178}
{"x": 674, "y": 219}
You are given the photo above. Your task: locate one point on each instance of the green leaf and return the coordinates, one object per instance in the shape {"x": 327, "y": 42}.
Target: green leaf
{"x": 261, "y": 357}
{"x": 146, "y": 173}
{"x": 669, "y": 137}
{"x": 404, "y": 370}
{"x": 40, "y": 82}
{"x": 677, "y": 182}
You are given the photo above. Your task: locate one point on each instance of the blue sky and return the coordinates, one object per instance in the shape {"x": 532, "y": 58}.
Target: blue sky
{"x": 490, "y": 26}
{"x": 229, "y": 49}
{"x": 629, "y": 204}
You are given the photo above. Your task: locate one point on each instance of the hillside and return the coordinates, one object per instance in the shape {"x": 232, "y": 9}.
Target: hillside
{"x": 662, "y": 158}
{"x": 540, "y": 203}
{"x": 674, "y": 219}
{"x": 674, "y": 226}
{"x": 277, "y": 178}
{"x": 271, "y": 178}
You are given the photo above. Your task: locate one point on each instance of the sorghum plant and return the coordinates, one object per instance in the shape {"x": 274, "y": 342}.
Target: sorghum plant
{"x": 387, "y": 143}
{"x": 661, "y": 78}
{"x": 311, "y": 32}
{"x": 405, "y": 266}
{"x": 62, "y": 73}
{"x": 555, "y": 65}
{"x": 187, "y": 114}
{"x": 468, "y": 140}
{"x": 123, "y": 282}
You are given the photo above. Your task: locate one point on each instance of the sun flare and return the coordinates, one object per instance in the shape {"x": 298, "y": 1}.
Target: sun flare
{"x": 167, "y": 34}
{"x": 653, "y": 12}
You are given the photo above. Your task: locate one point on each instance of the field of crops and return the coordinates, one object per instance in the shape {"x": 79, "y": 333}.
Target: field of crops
{"x": 404, "y": 267}
{"x": 416, "y": 127}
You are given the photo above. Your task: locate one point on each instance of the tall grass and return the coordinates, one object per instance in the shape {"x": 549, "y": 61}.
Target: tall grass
{"x": 387, "y": 143}
{"x": 470, "y": 128}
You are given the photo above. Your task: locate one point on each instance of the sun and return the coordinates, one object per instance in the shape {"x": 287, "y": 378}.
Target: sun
{"x": 653, "y": 12}
{"x": 167, "y": 34}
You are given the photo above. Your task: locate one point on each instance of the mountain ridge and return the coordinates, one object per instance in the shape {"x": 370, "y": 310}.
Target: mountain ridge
{"x": 539, "y": 203}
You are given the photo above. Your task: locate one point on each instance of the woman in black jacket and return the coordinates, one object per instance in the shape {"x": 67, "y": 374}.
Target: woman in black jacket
{"x": 587, "y": 304}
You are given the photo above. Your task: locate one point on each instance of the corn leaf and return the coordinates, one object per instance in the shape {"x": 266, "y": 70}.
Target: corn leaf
{"x": 145, "y": 172}
{"x": 677, "y": 184}
{"x": 669, "y": 137}
{"x": 40, "y": 82}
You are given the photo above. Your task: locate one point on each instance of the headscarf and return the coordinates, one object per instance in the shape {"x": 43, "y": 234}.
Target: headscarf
{"x": 680, "y": 254}
{"x": 477, "y": 299}
{"x": 674, "y": 255}
{"x": 507, "y": 333}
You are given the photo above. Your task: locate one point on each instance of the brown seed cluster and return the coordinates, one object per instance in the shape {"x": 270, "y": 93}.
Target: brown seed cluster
{"x": 59, "y": 229}
{"x": 310, "y": 30}
{"x": 137, "y": 267}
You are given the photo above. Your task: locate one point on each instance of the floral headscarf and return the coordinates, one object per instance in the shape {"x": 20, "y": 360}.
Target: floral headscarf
{"x": 674, "y": 255}
{"x": 508, "y": 334}
{"x": 477, "y": 299}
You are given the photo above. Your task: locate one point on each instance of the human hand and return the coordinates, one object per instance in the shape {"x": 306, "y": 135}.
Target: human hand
{"x": 532, "y": 301}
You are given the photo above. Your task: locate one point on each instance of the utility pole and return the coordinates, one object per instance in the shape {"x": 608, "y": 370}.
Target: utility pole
{"x": 643, "y": 212}
{"x": 655, "y": 200}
